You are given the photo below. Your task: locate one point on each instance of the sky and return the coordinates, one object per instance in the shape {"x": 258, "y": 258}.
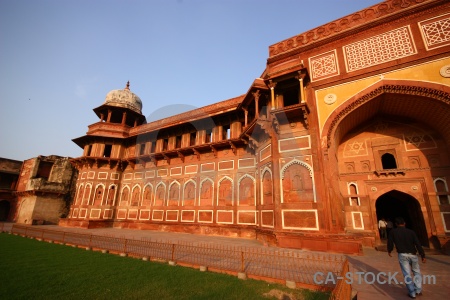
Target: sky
{"x": 59, "y": 58}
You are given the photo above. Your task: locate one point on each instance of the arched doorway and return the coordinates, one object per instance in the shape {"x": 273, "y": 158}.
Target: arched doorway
{"x": 397, "y": 204}
{"x": 4, "y": 210}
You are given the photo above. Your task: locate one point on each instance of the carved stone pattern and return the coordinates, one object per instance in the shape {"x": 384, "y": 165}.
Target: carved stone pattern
{"x": 437, "y": 34}
{"x": 393, "y": 89}
{"x": 323, "y": 66}
{"x": 379, "y": 49}
{"x": 334, "y": 28}
{"x": 445, "y": 71}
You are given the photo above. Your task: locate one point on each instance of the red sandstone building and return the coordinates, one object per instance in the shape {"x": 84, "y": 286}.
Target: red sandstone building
{"x": 349, "y": 123}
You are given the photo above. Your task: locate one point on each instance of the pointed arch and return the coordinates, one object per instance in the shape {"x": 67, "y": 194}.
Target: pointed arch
{"x": 297, "y": 187}
{"x": 124, "y": 196}
{"x": 173, "y": 197}
{"x": 437, "y": 92}
{"x": 87, "y": 193}
{"x": 206, "y": 192}
{"x": 135, "y": 195}
{"x": 266, "y": 186}
{"x": 98, "y": 194}
{"x": 225, "y": 195}
{"x": 246, "y": 190}
{"x": 189, "y": 192}
{"x": 79, "y": 197}
{"x": 160, "y": 194}
{"x": 147, "y": 194}
{"x": 352, "y": 189}
{"x": 110, "y": 198}
{"x": 441, "y": 188}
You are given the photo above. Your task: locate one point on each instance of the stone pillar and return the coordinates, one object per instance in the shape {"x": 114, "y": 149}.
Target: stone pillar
{"x": 301, "y": 94}
{"x": 246, "y": 117}
{"x": 109, "y": 116}
{"x": 256, "y": 96}
{"x": 124, "y": 117}
{"x": 272, "y": 92}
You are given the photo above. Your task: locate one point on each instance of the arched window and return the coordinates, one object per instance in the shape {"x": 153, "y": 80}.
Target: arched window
{"x": 441, "y": 191}
{"x": 388, "y": 161}
{"x": 98, "y": 195}
{"x": 353, "y": 192}
{"x": 111, "y": 195}
{"x": 135, "y": 196}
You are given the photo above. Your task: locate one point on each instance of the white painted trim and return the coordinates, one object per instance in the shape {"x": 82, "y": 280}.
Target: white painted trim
{"x": 295, "y": 138}
{"x": 200, "y": 190}
{"x": 254, "y": 189}
{"x": 232, "y": 189}
{"x": 195, "y": 190}
{"x": 253, "y": 211}
{"x": 172, "y": 220}
{"x": 302, "y": 163}
{"x": 157, "y": 210}
{"x": 300, "y": 210}
{"x": 353, "y": 220}
{"x": 198, "y": 216}
{"x": 222, "y": 210}
{"x": 273, "y": 218}
{"x": 266, "y": 169}
{"x": 190, "y": 221}
{"x": 443, "y": 222}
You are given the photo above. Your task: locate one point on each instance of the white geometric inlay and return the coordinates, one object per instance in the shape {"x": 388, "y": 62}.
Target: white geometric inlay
{"x": 379, "y": 49}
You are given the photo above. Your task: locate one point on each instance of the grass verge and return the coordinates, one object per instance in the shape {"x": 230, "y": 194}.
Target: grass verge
{"x": 38, "y": 270}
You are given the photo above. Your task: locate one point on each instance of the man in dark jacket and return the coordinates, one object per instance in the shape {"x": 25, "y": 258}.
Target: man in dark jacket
{"x": 407, "y": 245}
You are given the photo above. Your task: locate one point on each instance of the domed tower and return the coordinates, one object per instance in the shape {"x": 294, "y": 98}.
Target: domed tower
{"x": 103, "y": 160}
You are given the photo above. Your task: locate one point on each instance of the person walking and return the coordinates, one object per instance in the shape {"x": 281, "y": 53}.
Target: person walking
{"x": 407, "y": 244}
{"x": 389, "y": 226}
{"x": 382, "y": 228}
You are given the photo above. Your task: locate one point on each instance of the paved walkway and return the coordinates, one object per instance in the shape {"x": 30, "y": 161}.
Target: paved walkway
{"x": 372, "y": 263}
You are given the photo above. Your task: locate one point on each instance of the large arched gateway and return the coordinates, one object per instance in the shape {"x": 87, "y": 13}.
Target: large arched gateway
{"x": 395, "y": 204}
{"x": 389, "y": 147}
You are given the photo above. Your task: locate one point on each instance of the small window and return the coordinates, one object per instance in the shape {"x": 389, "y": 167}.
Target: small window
{"x": 89, "y": 150}
{"x": 192, "y": 138}
{"x": 226, "y": 132}
{"x": 441, "y": 190}
{"x": 141, "y": 149}
{"x": 152, "y": 150}
{"x": 353, "y": 191}
{"x": 388, "y": 161}
{"x": 208, "y": 138}
{"x": 107, "y": 152}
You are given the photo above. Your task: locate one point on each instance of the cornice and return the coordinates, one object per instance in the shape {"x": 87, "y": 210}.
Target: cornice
{"x": 358, "y": 21}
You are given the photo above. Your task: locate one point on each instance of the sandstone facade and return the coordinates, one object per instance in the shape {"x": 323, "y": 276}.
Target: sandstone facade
{"x": 348, "y": 123}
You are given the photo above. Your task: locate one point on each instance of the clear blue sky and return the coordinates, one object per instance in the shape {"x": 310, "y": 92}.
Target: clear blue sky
{"x": 59, "y": 59}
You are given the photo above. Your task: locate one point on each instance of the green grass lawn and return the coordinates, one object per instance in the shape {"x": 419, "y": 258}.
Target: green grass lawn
{"x": 38, "y": 270}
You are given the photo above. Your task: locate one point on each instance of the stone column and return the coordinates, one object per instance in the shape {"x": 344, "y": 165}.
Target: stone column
{"x": 109, "y": 116}
{"x": 256, "y": 96}
{"x": 272, "y": 92}
{"x": 124, "y": 117}
{"x": 302, "y": 94}
{"x": 246, "y": 116}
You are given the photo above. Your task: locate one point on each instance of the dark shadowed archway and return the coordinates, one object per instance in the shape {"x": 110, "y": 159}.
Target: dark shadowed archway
{"x": 4, "y": 210}
{"x": 397, "y": 204}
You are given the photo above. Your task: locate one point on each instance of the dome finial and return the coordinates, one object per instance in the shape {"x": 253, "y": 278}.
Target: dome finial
{"x": 128, "y": 85}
